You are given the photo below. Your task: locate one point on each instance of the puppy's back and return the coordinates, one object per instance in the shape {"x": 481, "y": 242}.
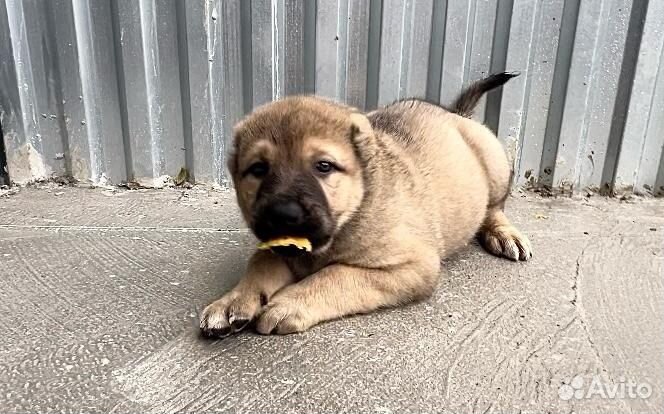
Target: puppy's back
{"x": 420, "y": 127}
{"x": 455, "y": 184}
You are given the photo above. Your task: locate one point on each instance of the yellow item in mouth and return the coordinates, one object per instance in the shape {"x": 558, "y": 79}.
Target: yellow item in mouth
{"x": 299, "y": 242}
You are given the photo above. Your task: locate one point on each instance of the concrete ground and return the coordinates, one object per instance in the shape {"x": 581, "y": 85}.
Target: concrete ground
{"x": 101, "y": 290}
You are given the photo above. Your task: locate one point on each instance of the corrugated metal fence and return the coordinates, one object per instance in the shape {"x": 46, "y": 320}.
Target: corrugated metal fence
{"x": 135, "y": 90}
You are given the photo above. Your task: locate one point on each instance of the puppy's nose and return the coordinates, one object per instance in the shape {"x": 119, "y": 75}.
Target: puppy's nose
{"x": 287, "y": 212}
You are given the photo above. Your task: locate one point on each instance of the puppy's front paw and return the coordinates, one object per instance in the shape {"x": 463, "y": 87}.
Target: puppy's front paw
{"x": 283, "y": 316}
{"x": 507, "y": 241}
{"x": 229, "y": 314}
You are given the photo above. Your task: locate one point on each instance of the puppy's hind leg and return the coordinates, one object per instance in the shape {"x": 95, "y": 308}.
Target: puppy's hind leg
{"x": 498, "y": 236}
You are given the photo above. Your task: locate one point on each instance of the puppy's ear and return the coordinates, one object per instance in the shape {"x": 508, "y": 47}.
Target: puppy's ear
{"x": 361, "y": 125}
{"x": 362, "y": 136}
{"x": 231, "y": 162}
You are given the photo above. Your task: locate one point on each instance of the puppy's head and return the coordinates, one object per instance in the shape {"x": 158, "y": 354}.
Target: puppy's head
{"x": 296, "y": 169}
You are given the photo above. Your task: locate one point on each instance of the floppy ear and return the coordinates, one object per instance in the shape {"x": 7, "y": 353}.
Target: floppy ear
{"x": 362, "y": 136}
{"x": 231, "y": 162}
{"x": 361, "y": 125}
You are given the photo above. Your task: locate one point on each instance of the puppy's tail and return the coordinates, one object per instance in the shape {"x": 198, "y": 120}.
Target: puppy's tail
{"x": 469, "y": 97}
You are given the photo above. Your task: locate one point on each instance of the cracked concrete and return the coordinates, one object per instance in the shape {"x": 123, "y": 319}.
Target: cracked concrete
{"x": 579, "y": 309}
{"x": 101, "y": 291}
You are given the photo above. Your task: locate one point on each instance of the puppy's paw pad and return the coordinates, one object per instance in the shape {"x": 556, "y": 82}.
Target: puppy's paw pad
{"x": 507, "y": 241}
{"x": 283, "y": 318}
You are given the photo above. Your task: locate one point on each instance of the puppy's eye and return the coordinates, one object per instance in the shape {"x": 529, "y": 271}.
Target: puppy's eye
{"x": 324, "y": 167}
{"x": 258, "y": 169}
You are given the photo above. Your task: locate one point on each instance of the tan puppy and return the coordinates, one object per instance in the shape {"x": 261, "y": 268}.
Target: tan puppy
{"x": 382, "y": 197}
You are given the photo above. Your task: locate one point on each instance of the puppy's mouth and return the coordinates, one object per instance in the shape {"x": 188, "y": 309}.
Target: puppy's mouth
{"x": 293, "y": 246}
{"x": 283, "y": 224}
{"x": 292, "y": 240}
{"x": 289, "y": 251}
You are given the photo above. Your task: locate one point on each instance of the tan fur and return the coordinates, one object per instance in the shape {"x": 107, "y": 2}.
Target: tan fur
{"x": 266, "y": 275}
{"x": 499, "y": 237}
{"x": 417, "y": 186}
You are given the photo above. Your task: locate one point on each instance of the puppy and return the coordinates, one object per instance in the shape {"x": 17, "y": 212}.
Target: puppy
{"x": 382, "y": 198}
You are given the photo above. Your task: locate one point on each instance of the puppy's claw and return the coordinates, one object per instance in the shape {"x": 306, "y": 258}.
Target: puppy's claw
{"x": 525, "y": 250}
{"x": 229, "y": 314}
{"x": 216, "y": 333}
{"x": 213, "y": 325}
{"x": 283, "y": 317}
{"x": 510, "y": 250}
{"x": 508, "y": 242}
{"x": 238, "y": 324}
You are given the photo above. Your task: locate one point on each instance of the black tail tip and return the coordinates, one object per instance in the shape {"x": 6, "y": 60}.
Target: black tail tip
{"x": 470, "y": 96}
{"x": 498, "y": 79}
{"x": 503, "y": 77}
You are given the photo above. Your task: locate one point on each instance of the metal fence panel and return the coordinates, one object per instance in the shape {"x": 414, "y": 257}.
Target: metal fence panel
{"x": 110, "y": 91}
